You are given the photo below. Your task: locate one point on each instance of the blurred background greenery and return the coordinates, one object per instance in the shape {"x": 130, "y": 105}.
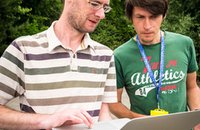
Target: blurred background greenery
{"x": 26, "y": 17}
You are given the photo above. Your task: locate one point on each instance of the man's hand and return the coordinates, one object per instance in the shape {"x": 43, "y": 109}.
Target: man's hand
{"x": 197, "y": 127}
{"x": 67, "y": 116}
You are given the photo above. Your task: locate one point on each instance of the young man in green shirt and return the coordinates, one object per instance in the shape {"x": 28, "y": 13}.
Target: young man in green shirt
{"x": 61, "y": 76}
{"x": 157, "y": 68}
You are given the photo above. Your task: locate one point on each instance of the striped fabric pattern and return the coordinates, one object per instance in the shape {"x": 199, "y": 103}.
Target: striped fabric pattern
{"x": 46, "y": 76}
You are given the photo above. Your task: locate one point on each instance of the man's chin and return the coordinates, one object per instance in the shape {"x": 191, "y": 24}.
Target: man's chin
{"x": 147, "y": 41}
{"x": 91, "y": 30}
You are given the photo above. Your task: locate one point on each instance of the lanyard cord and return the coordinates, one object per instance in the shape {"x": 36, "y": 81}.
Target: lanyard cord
{"x": 157, "y": 85}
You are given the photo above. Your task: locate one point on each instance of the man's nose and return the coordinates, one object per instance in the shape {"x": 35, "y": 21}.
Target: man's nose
{"x": 100, "y": 13}
{"x": 147, "y": 24}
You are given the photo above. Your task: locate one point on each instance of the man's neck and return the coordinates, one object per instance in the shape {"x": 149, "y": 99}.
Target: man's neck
{"x": 69, "y": 37}
{"x": 155, "y": 41}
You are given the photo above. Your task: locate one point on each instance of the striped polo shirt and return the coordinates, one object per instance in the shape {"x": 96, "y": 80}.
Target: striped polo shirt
{"x": 47, "y": 76}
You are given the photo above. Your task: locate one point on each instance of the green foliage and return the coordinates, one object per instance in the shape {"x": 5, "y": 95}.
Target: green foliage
{"x": 115, "y": 29}
{"x": 27, "y": 28}
{"x": 110, "y": 33}
{"x": 8, "y": 9}
{"x": 26, "y": 17}
{"x": 186, "y": 21}
{"x": 50, "y": 9}
{"x": 23, "y": 11}
{"x": 2, "y": 48}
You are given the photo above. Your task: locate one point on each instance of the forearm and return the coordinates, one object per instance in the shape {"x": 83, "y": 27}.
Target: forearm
{"x": 11, "y": 119}
{"x": 121, "y": 111}
{"x": 104, "y": 113}
{"x": 193, "y": 95}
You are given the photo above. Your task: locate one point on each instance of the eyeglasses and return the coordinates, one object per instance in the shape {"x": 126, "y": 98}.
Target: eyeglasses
{"x": 97, "y": 5}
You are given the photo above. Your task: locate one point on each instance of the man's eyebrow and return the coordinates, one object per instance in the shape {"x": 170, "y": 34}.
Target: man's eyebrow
{"x": 100, "y": 2}
{"x": 96, "y": 1}
{"x": 138, "y": 15}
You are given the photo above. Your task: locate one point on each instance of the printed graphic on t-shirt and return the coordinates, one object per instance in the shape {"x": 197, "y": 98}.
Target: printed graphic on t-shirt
{"x": 170, "y": 78}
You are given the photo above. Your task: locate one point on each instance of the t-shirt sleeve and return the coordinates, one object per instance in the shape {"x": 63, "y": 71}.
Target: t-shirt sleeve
{"x": 193, "y": 66}
{"x": 119, "y": 73}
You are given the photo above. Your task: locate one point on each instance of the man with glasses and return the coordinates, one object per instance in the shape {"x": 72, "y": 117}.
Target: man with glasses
{"x": 61, "y": 76}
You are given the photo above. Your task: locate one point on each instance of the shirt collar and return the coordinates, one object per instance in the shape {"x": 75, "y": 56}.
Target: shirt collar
{"x": 88, "y": 42}
{"x": 55, "y": 42}
{"x": 52, "y": 38}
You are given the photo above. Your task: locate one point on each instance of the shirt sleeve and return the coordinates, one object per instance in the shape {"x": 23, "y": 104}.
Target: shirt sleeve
{"x": 110, "y": 93}
{"x": 119, "y": 73}
{"x": 11, "y": 73}
{"x": 193, "y": 66}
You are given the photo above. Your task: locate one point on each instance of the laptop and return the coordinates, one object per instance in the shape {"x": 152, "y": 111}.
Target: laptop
{"x": 176, "y": 121}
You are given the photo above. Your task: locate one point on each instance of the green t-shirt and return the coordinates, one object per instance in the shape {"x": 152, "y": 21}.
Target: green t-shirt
{"x": 132, "y": 73}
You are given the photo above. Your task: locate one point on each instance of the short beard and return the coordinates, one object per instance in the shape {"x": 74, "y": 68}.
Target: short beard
{"x": 75, "y": 24}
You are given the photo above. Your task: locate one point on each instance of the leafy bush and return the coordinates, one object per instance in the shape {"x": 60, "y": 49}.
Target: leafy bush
{"x": 25, "y": 17}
